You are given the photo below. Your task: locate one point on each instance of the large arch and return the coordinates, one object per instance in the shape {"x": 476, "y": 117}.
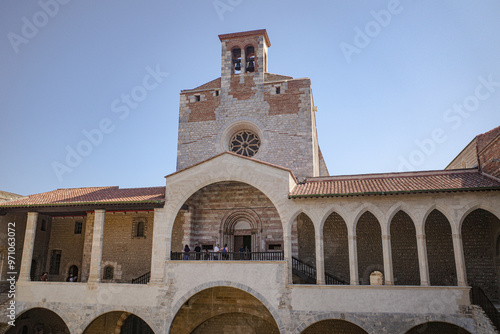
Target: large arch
{"x": 440, "y": 253}
{"x": 480, "y": 238}
{"x": 437, "y": 327}
{"x": 404, "y": 250}
{"x": 225, "y": 212}
{"x": 272, "y": 181}
{"x": 336, "y": 249}
{"x": 122, "y": 322}
{"x": 369, "y": 244}
{"x": 39, "y": 319}
{"x": 213, "y": 304}
{"x": 336, "y": 326}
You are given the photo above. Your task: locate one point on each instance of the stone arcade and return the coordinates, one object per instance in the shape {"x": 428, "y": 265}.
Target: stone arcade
{"x": 308, "y": 253}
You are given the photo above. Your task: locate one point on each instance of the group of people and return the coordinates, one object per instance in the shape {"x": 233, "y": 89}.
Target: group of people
{"x": 44, "y": 277}
{"x": 215, "y": 253}
{"x": 206, "y": 253}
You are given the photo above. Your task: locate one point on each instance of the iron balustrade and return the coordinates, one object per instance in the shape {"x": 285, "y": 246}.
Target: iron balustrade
{"x": 227, "y": 256}
{"x": 308, "y": 272}
{"x": 144, "y": 279}
{"x": 479, "y": 298}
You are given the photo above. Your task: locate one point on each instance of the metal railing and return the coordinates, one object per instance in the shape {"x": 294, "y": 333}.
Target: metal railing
{"x": 479, "y": 298}
{"x": 229, "y": 256}
{"x": 304, "y": 270}
{"x": 144, "y": 279}
{"x": 309, "y": 272}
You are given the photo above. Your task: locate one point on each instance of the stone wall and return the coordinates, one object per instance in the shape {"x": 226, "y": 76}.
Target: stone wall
{"x": 404, "y": 250}
{"x": 205, "y": 223}
{"x": 369, "y": 242}
{"x": 489, "y": 158}
{"x": 336, "y": 247}
{"x": 440, "y": 256}
{"x": 480, "y": 230}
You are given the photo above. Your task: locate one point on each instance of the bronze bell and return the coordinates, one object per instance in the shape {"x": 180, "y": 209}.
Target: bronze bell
{"x": 250, "y": 67}
{"x": 238, "y": 66}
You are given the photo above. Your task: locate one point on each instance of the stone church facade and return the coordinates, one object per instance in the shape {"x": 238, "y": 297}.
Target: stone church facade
{"x": 306, "y": 252}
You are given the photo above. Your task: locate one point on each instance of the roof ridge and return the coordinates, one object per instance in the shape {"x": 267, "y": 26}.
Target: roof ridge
{"x": 391, "y": 175}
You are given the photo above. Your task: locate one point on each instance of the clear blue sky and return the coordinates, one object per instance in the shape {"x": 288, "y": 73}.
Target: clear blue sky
{"x": 385, "y": 77}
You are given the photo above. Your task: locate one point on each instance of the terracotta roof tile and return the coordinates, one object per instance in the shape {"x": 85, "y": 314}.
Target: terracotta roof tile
{"x": 90, "y": 195}
{"x": 394, "y": 183}
{"x": 486, "y": 138}
{"x": 275, "y": 77}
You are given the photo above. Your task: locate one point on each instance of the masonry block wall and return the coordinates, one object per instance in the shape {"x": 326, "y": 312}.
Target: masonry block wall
{"x": 305, "y": 244}
{"x": 208, "y": 208}
{"x": 404, "y": 250}
{"x": 69, "y": 242}
{"x": 480, "y": 232}
{"x": 334, "y": 326}
{"x": 223, "y": 310}
{"x": 440, "y": 256}
{"x": 489, "y": 158}
{"x": 336, "y": 247}
{"x": 127, "y": 253}
{"x": 369, "y": 242}
{"x": 279, "y": 109}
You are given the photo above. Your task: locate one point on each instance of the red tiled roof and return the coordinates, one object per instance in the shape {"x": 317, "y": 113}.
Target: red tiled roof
{"x": 216, "y": 83}
{"x": 275, "y": 77}
{"x": 395, "y": 183}
{"x": 485, "y": 139}
{"x": 91, "y": 195}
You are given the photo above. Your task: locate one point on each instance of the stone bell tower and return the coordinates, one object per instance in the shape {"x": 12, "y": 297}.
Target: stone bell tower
{"x": 251, "y": 112}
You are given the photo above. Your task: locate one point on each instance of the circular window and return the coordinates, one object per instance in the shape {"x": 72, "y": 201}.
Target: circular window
{"x": 245, "y": 143}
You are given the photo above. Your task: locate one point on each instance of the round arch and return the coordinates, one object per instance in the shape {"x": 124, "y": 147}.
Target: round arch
{"x": 242, "y": 123}
{"x": 39, "y": 318}
{"x": 227, "y": 284}
{"x": 178, "y": 202}
{"x": 351, "y": 325}
{"x": 432, "y": 327}
{"x": 120, "y": 316}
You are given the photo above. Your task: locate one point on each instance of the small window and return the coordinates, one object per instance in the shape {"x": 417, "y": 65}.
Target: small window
{"x": 139, "y": 230}
{"x": 217, "y": 93}
{"x": 78, "y": 227}
{"x": 108, "y": 272}
{"x": 43, "y": 225}
{"x": 278, "y": 90}
{"x": 275, "y": 247}
{"x": 55, "y": 262}
{"x": 197, "y": 98}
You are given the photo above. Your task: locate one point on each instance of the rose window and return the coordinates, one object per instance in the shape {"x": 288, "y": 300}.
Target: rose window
{"x": 245, "y": 143}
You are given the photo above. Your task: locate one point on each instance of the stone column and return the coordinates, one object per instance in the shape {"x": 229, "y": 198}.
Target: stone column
{"x": 387, "y": 251}
{"x": 29, "y": 244}
{"x": 87, "y": 247}
{"x": 353, "y": 259}
{"x": 162, "y": 244}
{"x": 287, "y": 253}
{"x": 320, "y": 259}
{"x": 243, "y": 61}
{"x": 423, "y": 264}
{"x": 96, "y": 254}
{"x": 459, "y": 260}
